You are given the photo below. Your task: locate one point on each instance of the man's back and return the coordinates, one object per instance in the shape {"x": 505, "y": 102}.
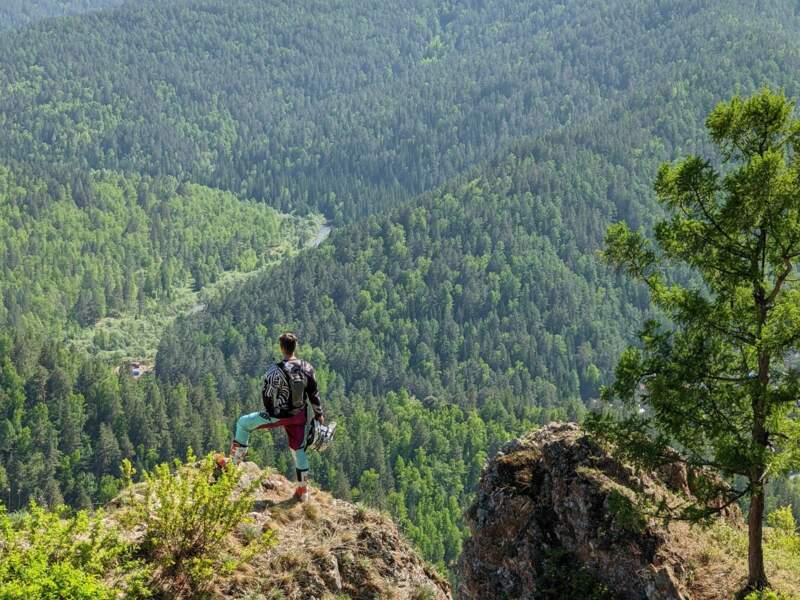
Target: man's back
{"x": 277, "y": 389}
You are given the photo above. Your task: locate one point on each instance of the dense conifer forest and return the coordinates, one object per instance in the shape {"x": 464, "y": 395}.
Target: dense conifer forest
{"x": 17, "y": 13}
{"x": 79, "y": 248}
{"x": 470, "y": 156}
{"x": 352, "y": 107}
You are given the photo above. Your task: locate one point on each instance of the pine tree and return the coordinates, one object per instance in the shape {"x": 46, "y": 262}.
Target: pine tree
{"x": 717, "y": 383}
{"x": 107, "y": 451}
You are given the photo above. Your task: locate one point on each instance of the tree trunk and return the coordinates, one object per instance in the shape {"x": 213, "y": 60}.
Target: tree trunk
{"x": 757, "y": 577}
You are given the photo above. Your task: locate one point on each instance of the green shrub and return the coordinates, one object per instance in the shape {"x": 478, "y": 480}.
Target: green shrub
{"x": 783, "y": 521}
{"x": 767, "y": 595}
{"x": 424, "y": 592}
{"x": 626, "y": 514}
{"x": 782, "y": 541}
{"x": 188, "y": 515}
{"x": 55, "y": 555}
{"x": 563, "y": 577}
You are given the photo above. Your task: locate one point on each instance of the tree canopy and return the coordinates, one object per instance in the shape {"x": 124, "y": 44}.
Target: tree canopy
{"x": 471, "y": 156}
{"x": 77, "y": 248}
{"x": 18, "y": 13}
{"x": 721, "y": 381}
{"x": 356, "y": 107}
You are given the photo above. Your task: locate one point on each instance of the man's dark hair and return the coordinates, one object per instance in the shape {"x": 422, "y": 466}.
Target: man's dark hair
{"x": 288, "y": 342}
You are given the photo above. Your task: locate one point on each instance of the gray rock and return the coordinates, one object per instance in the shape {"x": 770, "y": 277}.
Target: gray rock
{"x": 554, "y": 492}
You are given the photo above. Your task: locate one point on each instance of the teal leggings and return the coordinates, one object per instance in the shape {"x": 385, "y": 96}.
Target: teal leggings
{"x": 295, "y": 429}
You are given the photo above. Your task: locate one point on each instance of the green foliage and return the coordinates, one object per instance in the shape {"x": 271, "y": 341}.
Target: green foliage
{"x": 128, "y": 471}
{"x": 17, "y": 13}
{"x": 189, "y": 514}
{"x": 726, "y": 543}
{"x": 783, "y": 539}
{"x": 354, "y": 110}
{"x": 768, "y": 595}
{"x": 51, "y": 555}
{"x": 564, "y": 578}
{"x": 720, "y": 385}
{"x": 424, "y": 592}
{"x": 78, "y": 249}
{"x": 784, "y": 491}
{"x": 783, "y": 521}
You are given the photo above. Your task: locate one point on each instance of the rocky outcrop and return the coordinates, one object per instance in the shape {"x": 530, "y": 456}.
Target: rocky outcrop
{"x": 323, "y": 549}
{"x": 556, "y": 515}
{"x": 328, "y": 548}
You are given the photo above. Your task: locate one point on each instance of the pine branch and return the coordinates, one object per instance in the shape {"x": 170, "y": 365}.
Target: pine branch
{"x": 745, "y": 250}
{"x": 789, "y": 268}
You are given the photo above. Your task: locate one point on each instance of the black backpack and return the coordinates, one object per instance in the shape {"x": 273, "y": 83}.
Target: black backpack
{"x": 297, "y": 379}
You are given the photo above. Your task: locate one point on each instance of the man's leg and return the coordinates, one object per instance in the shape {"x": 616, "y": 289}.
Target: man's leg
{"x": 301, "y": 465}
{"x": 244, "y": 426}
{"x": 297, "y": 444}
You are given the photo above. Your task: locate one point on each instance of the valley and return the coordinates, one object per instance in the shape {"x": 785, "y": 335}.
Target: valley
{"x": 422, "y": 193}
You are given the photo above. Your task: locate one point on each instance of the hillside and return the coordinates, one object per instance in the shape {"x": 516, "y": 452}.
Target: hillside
{"x": 186, "y": 533}
{"x": 18, "y": 13}
{"x": 498, "y": 262}
{"x": 470, "y": 154}
{"x": 78, "y": 248}
{"x": 332, "y": 548}
{"x": 556, "y": 516}
{"x": 485, "y": 295}
{"x": 550, "y": 196}
{"x": 354, "y": 108}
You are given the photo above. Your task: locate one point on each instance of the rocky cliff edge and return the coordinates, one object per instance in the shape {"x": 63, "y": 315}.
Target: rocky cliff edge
{"x": 556, "y": 516}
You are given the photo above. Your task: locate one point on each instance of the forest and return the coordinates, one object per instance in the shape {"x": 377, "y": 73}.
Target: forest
{"x": 18, "y": 13}
{"x": 80, "y": 247}
{"x": 470, "y": 156}
{"x": 354, "y": 107}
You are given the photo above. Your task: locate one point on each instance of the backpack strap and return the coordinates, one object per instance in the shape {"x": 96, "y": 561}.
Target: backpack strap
{"x": 283, "y": 371}
{"x": 281, "y": 365}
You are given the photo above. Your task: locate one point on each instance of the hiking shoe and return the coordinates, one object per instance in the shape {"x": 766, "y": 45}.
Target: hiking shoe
{"x": 301, "y": 494}
{"x": 222, "y": 461}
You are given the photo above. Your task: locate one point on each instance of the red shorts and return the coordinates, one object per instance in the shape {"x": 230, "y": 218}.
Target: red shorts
{"x": 295, "y": 429}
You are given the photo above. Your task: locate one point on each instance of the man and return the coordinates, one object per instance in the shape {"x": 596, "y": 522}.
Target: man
{"x": 287, "y": 386}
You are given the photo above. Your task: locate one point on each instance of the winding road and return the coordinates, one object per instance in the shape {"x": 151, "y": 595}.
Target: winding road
{"x": 322, "y": 234}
